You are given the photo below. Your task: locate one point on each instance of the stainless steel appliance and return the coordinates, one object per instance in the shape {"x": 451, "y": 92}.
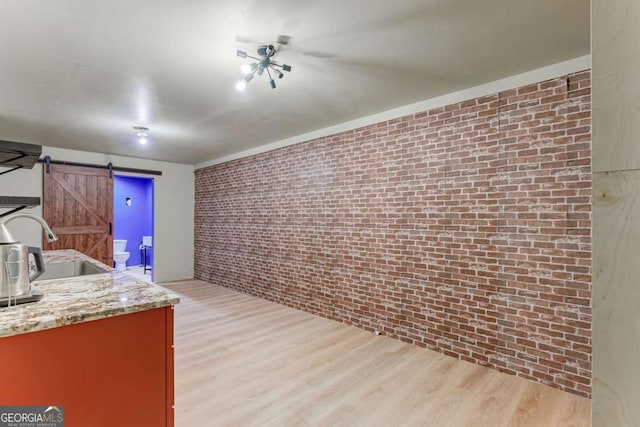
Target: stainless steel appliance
{"x": 15, "y": 277}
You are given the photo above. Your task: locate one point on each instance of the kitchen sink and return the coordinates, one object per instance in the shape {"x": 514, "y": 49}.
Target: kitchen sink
{"x": 71, "y": 269}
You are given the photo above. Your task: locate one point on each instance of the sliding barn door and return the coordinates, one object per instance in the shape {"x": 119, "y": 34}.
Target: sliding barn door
{"x": 78, "y": 205}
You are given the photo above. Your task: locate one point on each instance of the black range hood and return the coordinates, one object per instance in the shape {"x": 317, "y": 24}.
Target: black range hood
{"x": 19, "y": 154}
{"x": 13, "y": 201}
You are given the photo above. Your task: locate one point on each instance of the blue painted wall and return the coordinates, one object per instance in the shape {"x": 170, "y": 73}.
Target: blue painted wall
{"x": 133, "y": 222}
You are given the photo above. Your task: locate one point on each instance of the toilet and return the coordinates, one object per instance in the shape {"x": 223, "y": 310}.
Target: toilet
{"x": 119, "y": 255}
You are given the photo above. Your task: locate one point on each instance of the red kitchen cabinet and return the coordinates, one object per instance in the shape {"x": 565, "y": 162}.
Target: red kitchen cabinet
{"x": 116, "y": 371}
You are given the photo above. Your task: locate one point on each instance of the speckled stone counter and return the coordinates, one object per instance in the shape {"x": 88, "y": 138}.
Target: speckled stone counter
{"x": 80, "y": 299}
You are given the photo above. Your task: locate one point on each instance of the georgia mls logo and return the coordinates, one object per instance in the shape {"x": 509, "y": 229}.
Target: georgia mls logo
{"x": 53, "y": 408}
{"x": 32, "y": 416}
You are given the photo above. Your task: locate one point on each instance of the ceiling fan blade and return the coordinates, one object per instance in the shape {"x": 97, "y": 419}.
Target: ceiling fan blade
{"x": 246, "y": 40}
{"x": 320, "y": 55}
{"x": 283, "y": 40}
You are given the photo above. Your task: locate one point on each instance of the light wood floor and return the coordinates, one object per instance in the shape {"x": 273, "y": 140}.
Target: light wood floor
{"x": 244, "y": 361}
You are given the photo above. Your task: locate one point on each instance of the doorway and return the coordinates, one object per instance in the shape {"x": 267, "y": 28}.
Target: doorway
{"x": 133, "y": 224}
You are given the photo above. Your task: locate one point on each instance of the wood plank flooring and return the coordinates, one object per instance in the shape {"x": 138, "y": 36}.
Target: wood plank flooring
{"x": 244, "y": 361}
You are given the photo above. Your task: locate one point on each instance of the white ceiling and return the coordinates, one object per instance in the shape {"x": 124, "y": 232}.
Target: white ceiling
{"x": 80, "y": 73}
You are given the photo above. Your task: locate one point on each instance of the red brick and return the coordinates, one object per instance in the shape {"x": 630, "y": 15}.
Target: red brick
{"x": 465, "y": 229}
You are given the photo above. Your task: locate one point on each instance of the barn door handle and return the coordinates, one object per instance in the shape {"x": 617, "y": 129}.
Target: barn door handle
{"x": 110, "y": 229}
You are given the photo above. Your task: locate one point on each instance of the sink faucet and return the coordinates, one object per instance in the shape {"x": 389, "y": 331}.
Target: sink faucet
{"x": 5, "y": 236}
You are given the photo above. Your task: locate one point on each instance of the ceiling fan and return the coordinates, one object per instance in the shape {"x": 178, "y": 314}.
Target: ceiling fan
{"x": 264, "y": 62}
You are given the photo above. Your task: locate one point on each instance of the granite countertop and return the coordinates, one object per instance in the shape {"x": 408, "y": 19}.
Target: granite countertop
{"x": 83, "y": 298}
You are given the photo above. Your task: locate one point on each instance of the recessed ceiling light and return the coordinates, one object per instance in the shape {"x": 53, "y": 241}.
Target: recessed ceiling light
{"x": 142, "y": 137}
{"x": 142, "y": 134}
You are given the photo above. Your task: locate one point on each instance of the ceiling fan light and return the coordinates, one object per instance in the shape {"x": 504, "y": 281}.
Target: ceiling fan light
{"x": 261, "y": 63}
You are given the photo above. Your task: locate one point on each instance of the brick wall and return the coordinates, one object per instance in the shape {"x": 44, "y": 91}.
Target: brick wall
{"x": 465, "y": 229}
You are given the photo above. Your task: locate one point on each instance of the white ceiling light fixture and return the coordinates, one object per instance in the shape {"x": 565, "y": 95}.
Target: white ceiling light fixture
{"x": 264, "y": 62}
{"x": 246, "y": 69}
{"x": 142, "y": 132}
